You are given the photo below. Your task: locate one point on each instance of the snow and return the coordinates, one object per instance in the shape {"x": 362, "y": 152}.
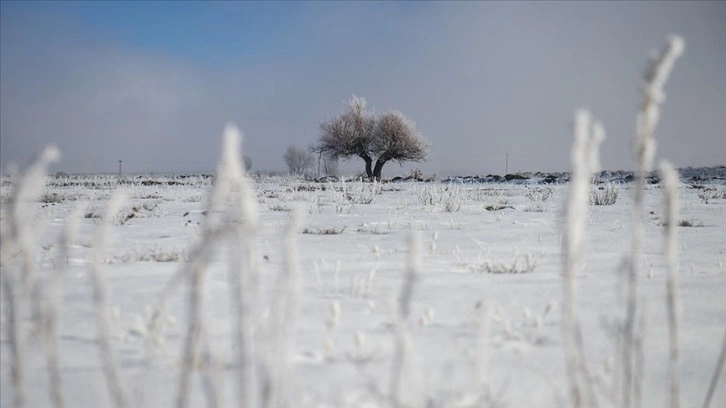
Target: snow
{"x": 466, "y": 326}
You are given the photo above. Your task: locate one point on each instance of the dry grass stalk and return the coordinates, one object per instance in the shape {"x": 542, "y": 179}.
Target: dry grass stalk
{"x": 229, "y": 171}
{"x": 670, "y": 209}
{"x": 402, "y": 350}
{"x": 644, "y": 151}
{"x": 607, "y": 196}
{"x": 244, "y": 274}
{"x": 15, "y": 339}
{"x": 100, "y": 301}
{"x": 584, "y": 157}
{"x": 17, "y": 239}
{"x": 483, "y": 321}
{"x": 716, "y": 374}
{"x": 284, "y": 316}
{"x": 49, "y": 326}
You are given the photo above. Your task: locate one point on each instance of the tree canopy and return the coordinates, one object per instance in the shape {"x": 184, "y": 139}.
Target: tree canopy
{"x": 357, "y": 132}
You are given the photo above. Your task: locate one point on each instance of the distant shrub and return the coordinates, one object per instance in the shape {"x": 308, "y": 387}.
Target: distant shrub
{"x": 607, "y": 195}
{"x": 518, "y": 265}
{"x": 152, "y": 255}
{"x": 538, "y": 198}
{"x": 448, "y": 197}
{"x": 323, "y": 231}
{"x": 690, "y": 222}
{"x": 279, "y": 207}
{"x": 710, "y": 194}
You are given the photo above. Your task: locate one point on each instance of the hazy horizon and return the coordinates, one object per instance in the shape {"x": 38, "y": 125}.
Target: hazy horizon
{"x": 154, "y": 83}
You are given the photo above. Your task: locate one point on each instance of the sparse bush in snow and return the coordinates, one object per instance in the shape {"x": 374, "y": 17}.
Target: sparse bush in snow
{"x": 341, "y": 199}
{"x": 194, "y": 198}
{"x": 324, "y": 231}
{"x": 708, "y": 195}
{"x": 689, "y": 222}
{"x": 539, "y": 198}
{"x": 517, "y": 265}
{"x": 145, "y": 209}
{"x": 328, "y": 281}
{"x": 452, "y": 199}
{"x": 429, "y": 194}
{"x": 434, "y": 194}
{"x": 538, "y": 194}
{"x": 363, "y": 193}
{"x": 607, "y": 195}
{"x": 152, "y": 255}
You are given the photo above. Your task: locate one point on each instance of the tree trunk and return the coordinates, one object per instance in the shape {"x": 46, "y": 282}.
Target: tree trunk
{"x": 377, "y": 170}
{"x": 369, "y": 165}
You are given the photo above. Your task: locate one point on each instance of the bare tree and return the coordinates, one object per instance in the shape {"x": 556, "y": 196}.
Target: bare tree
{"x": 248, "y": 163}
{"x": 357, "y": 132}
{"x": 298, "y": 160}
{"x": 395, "y": 138}
{"x": 349, "y": 134}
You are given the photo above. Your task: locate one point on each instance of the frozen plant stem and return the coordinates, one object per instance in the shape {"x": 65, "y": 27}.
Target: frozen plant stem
{"x": 402, "y": 351}
{"x": 243, "y": 276}
{"x": 284, "y": 311}
{"x": 716, "y": 374}
{"x": 482, "y": 343}
{"x": 100, "y": 301}
{"x": 49, "y": 315}
{"x": 584, "y": 157}
{"x": 670, "y": 207}
{"x": 644, "y": 151}
{"x": 17, "y": 352}
{"x": 18, "y": 238}
{"x": 229, "y": 172}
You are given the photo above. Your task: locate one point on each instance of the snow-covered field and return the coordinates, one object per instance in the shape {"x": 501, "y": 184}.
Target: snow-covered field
{"x": 484, "y": 322}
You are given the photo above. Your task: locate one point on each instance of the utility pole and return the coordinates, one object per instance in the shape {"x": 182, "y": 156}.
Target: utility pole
{"x": 506, "y": 168}
{"x": 119, "y": 167}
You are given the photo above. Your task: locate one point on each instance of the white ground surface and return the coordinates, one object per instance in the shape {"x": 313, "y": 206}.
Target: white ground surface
{"x": 342, "y": 361}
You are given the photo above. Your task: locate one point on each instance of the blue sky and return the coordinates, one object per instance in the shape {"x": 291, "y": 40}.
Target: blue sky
{"x": 205, "y": 33}
{"x": 153, "y": 83}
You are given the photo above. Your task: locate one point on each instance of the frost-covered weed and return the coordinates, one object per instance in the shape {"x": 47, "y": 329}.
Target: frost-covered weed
{"x": 538, "y": 199}
{"x": 452, "y": 199}
{"x": 494, "y": 197}
{"x": 328, "y": 280}
{"x": 145, "y": 209}
{"x": 324, "y": 231}
{"x": 363, "y": 193}
{"x": 340, "y": 198}
{"x": 527, "y": 329}
{"x": 538, "y": 194}
{"x": 689, "y": 222}
{"x": 156, "y": 254}
{"x": 607, "y": 195}
{"x": 194, "y": 198}
{"x": 708, "y": 195}
{"x": 517, "y": 265}
{"x": 448, "y": 197}
{"x": 372, "y": 229}
{"x": 429, "y": 194}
